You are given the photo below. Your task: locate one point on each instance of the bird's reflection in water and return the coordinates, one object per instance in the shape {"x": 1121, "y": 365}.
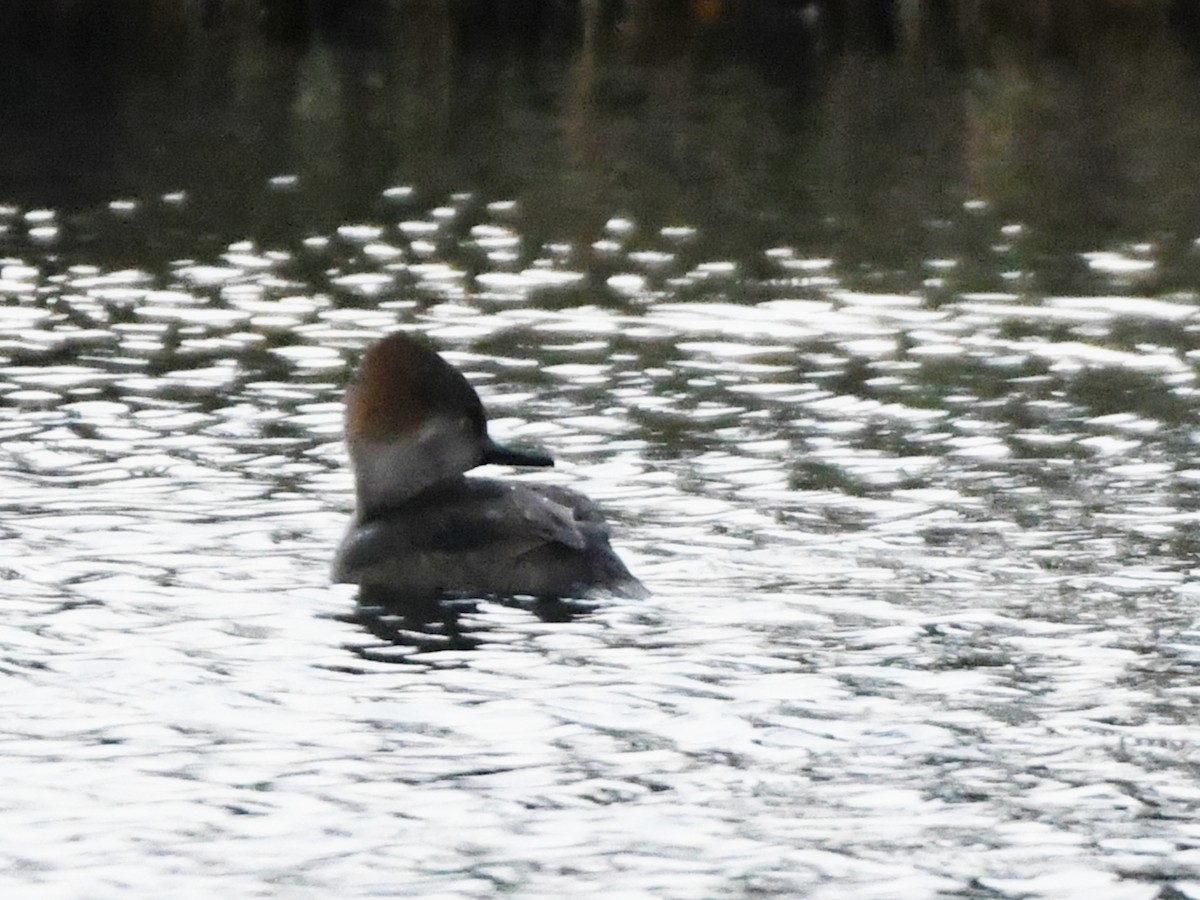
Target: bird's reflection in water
{"x": 410, "y": 628}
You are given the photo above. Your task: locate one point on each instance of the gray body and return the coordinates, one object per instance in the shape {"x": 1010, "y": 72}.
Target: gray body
{"x": 479, "y": 537}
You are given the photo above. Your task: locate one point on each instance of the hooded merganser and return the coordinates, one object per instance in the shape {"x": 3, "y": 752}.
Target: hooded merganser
{"x": 423, "y": 530}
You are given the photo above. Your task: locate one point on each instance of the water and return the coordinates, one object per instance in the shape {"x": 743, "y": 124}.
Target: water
{"x": 921, "y": 526}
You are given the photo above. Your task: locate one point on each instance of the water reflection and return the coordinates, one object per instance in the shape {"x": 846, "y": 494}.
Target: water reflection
{"x": 409, "y": 633}
{"x": 922, "y": 564}
{"x": 828, "y": 125}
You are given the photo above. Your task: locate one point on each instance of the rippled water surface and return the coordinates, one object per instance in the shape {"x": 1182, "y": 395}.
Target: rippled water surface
{"x": 911, "y": 477}
{"x": 923, "y": 566}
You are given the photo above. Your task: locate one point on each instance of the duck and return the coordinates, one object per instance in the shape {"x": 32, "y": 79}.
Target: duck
{"x": 423, "y": 530}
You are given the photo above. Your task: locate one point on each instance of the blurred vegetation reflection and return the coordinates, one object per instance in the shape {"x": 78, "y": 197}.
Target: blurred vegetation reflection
{"x": 855, "y": 128}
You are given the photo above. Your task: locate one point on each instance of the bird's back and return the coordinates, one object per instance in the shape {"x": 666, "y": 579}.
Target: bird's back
{"x": 478, "y": 536}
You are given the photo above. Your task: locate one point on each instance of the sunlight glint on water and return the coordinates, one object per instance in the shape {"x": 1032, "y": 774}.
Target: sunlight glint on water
{"x": 923, "y": 576}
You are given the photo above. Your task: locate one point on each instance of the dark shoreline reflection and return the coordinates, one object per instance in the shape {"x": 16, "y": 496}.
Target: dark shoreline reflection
{"x": 810, "y": 124}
